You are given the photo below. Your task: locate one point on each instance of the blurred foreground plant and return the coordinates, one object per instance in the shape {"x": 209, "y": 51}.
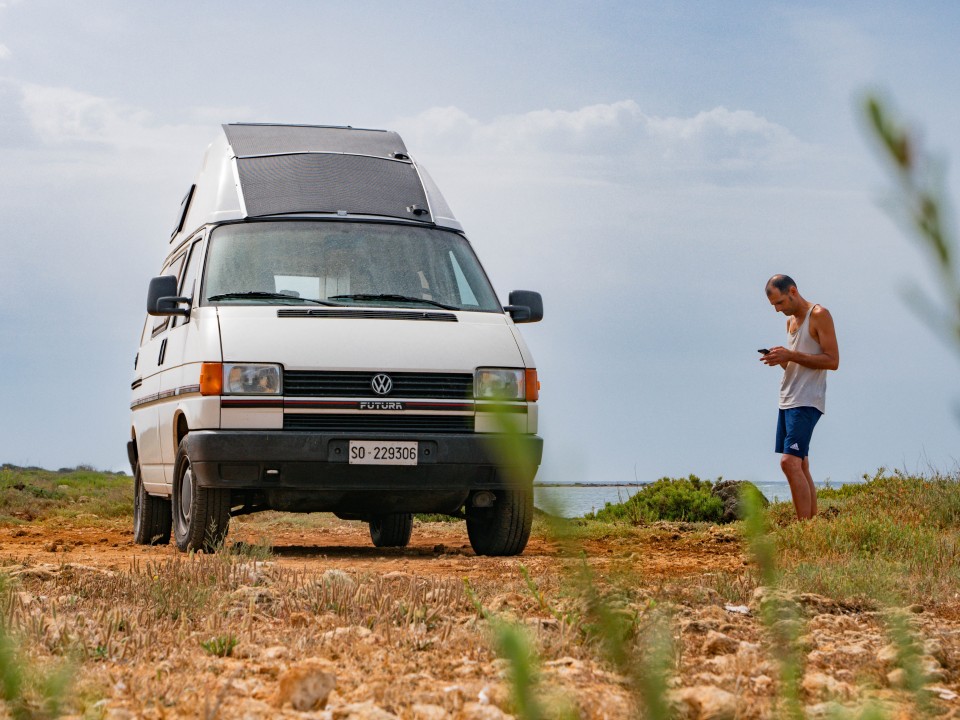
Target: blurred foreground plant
{"x": 28, "y": 689}
{"x": 921, "y": 198}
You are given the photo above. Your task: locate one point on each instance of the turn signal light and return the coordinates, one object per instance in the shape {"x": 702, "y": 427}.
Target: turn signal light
{"x": 533, "y": 385}
{"x": 211, "y": 379}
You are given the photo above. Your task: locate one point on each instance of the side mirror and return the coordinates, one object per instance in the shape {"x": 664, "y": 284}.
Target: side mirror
{"x": 525, "y": 306}
{"x": 162, "y": 299}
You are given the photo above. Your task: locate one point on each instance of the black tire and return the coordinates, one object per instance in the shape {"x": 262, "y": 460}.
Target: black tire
{"x": 201, "y": 516}
{"x": 504, "y": 528}
{"x": 151, "y": 515}
{"x": 391, "y": 530}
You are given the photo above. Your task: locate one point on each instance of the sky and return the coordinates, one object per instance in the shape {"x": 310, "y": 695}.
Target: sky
{"x": 646, "y": 166}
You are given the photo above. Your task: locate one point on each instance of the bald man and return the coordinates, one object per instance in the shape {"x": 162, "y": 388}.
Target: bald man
{"x": 811, "y": 351}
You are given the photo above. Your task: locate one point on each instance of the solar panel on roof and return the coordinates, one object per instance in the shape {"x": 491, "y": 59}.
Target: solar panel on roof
{"x": 319, "y": 182}
{"x": 272, "y": 139}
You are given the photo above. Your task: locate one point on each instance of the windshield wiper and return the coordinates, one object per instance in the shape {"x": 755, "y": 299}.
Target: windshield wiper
{"x": 393, "y": 298}
{"x": 257, "y": 295}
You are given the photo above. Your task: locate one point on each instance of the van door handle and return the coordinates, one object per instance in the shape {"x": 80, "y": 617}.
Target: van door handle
{"x": 163, "y": 351}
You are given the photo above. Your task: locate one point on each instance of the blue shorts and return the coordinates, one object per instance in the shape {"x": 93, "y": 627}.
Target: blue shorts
{"x": 794, "y": 430}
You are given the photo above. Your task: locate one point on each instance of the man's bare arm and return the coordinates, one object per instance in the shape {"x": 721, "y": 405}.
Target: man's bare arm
{"x": 823, "y": 331}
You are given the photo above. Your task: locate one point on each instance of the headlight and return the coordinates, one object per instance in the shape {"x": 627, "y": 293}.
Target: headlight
{"x": 251, "y": 379}
{"x": 499, "y": 384}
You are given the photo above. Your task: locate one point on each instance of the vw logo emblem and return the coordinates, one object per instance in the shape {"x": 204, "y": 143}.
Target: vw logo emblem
{"x": 381, "y": 384}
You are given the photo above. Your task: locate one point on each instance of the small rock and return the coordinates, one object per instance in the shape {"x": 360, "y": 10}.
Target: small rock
{"x": 337, "y": 576}
{"x": 698, "y": 627}
{"x": 249, "y": 595}
{"x": 932, "y": 669}
{"x": 762, "y": 684}
{"x": 362, "y": 711}
{"x": 717, "y": 643}
{"x": 748, "y": 649}
{"x": 705, "y": 702}
{"x": 707, "y": 678}
{"x": 349, "y": 631}
{"x": 721, "y": 664}
{"x": 422, "y": 711}
{"x": 729, "y": 492}
{"x": 820, "y": 686}
{"x": 119, "y": 714}
{"x": 305, "y": 686}
{"x": 476, "y": 711}
{"x": 739, "y": 609}
{"x": 852, "y": 650}
{"x": 888, "y": 654}
{"x": 275, "y": 652}
{"x": 935, "y": 648}
{"x": 897, "y": 678}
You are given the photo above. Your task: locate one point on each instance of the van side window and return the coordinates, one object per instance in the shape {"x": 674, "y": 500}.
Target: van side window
{"x": 160, "y": 323}
{"x": 188, "y": 283}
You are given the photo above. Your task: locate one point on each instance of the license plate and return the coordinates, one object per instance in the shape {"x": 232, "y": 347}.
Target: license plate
{"x": 383, "y": 452}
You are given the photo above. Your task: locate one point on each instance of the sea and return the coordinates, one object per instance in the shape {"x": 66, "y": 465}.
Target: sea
{"x": 577, "y": 500}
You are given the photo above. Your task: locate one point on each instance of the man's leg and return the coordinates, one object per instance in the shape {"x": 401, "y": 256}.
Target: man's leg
{"x": 804, "y": 498}
{"x": 813, "y": 488}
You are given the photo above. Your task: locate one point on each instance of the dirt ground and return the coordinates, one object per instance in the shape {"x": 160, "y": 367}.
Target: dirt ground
{"x": 435, "y": 550}
{"x": 326, "y": 625}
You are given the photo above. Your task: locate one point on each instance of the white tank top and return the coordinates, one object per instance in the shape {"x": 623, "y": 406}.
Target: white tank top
{"x": 803, "y": 386}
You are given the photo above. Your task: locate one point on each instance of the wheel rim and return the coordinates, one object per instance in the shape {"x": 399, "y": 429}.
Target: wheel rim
{"x": 186, "y": 493}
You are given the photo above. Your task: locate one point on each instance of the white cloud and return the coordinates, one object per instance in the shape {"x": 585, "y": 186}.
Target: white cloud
{"x": 62, "y": 115}
{"x": 610, "y": 136}
{"x": 4, "y": 52}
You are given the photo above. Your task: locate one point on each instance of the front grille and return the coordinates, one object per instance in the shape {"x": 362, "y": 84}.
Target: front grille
{"x": 379, "y": 423}
{"x": 436, "y": 386}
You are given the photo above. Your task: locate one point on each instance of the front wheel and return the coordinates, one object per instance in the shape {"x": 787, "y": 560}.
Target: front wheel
{"x": 391, "y": 530}
{"x": 503, "y": 528}
{"x": 201, "y": 516}
{"x": 151, "y": 514}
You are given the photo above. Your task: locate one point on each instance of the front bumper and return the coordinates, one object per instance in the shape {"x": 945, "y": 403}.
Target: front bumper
{"x": 310, "y": 471}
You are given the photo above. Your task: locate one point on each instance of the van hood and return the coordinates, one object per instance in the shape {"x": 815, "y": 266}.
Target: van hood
{"x": 314, "y": 342}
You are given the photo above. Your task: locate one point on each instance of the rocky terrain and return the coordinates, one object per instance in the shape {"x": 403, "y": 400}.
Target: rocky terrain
{"x": 324, "y": 625}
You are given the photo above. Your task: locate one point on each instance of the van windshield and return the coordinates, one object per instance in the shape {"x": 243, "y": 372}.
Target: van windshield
{"x": 342, "y": 263}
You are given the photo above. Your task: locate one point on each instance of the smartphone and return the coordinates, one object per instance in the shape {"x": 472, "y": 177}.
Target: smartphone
{"x": 763, "y": 351}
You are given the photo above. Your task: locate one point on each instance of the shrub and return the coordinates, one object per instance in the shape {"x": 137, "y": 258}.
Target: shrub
{"x": 690, "y": 499}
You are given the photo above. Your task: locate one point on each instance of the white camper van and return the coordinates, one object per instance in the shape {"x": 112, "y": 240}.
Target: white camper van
{"x": 323, "y": 338}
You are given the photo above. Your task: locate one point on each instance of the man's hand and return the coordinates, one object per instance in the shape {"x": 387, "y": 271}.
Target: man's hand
{"x": 777, "y": 356}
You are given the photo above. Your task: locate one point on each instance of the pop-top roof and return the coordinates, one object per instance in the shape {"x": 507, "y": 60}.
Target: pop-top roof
{"x": 273, "y": 139}
{"x": 259, "y": 170}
